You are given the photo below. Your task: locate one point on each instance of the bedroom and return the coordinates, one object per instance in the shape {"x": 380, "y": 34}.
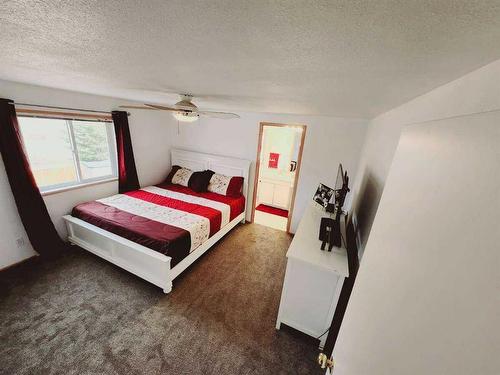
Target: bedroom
{"x": 84, "y": 314}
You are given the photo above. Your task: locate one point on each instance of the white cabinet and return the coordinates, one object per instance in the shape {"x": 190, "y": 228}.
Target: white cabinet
{"x": 313, "y": 279}
{"x": 281, "y": 196}
{"x": 266, "y": 192}
{"x": 274, "y": 193}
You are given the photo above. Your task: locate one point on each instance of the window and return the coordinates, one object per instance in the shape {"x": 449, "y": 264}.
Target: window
{"x": 64, "y": 153}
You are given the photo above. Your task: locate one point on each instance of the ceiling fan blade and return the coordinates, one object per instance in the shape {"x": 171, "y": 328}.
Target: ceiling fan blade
{"x": 221, "y": 115}
{"x": 138, "y": 107}
{"x": 166, "y": 91}
{"x": 189, "y": 108}
{"x": 164, "y": 108}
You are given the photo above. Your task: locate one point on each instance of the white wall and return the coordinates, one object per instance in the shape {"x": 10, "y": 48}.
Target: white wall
{"x": 150, "y": 133}
{"x": 475, "y": 92}
{"x": 329, "y": 141}
{"x": 426, "y": 299}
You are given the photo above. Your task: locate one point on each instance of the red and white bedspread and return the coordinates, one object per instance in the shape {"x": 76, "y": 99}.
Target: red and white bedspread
{"x": 171, "y": 219}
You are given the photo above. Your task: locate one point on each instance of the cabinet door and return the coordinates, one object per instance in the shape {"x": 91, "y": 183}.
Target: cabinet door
{"x": 281, "y": 196}
{"x": 266, "y": 193}
{"x": 310, "y": 297}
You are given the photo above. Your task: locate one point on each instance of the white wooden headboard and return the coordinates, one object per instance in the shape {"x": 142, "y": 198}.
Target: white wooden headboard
{"x": 226, "y": 165}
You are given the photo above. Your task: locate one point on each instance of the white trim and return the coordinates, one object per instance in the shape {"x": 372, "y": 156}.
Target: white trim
{"x": 146, "y": 263}
{"x": 80, "y": 180}
{"x": 78, "y": 186}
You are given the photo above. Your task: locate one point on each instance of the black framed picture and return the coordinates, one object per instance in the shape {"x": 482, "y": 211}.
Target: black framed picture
{"x": 323, "y": 195}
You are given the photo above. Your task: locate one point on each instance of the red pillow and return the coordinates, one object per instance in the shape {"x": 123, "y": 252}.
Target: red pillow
{"x": 234, "y": 187}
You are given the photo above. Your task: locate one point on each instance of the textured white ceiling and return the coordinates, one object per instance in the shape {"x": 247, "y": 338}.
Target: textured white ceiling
{"x": 344, "y": 58}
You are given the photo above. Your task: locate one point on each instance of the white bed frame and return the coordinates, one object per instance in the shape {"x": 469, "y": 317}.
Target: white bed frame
{"x": 142, "y": 261}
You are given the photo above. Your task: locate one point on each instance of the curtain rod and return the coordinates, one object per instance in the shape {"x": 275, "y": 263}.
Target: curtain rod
{"x": 64, "y": 108}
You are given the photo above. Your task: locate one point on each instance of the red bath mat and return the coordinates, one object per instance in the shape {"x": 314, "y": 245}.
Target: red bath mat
{"x": 272, "y": 210}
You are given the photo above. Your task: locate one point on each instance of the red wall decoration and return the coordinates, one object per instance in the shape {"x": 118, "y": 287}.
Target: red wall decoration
{"x": 273, "y": 160}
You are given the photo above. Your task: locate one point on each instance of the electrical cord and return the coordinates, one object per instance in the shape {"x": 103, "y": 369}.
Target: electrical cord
{"x": 322, "y": 334}
{"x": 343, "y": 241}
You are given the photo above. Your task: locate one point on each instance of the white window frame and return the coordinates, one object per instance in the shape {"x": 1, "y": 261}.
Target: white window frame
{"x": 81, "y": 182}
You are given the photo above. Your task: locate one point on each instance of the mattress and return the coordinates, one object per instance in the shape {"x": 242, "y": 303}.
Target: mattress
{"x": 171, "y": 219}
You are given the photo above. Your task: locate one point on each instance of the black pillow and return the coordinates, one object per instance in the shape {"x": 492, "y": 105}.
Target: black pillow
{"x": 199, "y": 181}
{"x": 174, "y": 169}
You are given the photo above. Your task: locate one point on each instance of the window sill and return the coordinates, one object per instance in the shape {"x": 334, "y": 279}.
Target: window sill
{"x": 79, "y": 186}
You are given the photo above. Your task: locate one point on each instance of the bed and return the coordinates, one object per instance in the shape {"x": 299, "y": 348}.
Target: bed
{"x": 156, "y": 232}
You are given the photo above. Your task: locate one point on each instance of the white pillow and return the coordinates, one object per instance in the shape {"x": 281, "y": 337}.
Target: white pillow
{"x": 182, "y": 176}
{"x": 219, "y": 184}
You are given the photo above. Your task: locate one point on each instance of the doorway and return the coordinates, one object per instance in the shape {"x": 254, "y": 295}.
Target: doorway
{"x": 279, "y": 155}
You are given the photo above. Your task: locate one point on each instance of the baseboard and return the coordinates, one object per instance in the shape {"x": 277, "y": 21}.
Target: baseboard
{"x": 17, "y": 264}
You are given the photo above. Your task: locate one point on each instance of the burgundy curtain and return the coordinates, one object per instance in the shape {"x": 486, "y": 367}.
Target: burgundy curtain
{"x": 32, "y": 210}
{"x": 127, "y": 173}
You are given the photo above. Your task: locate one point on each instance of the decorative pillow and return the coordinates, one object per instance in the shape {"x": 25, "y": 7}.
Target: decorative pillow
{"x": 226, "y": 185}
{"x": 199, "y": 181}
{"x": 174, "y": 169}
{"x": 181, "y": 177}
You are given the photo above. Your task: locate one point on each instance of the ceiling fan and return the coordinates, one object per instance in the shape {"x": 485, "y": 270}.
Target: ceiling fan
{"x": 185, "y": 110}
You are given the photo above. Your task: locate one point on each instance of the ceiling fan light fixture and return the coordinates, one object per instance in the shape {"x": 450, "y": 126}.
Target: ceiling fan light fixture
{"x": 186, "y": 116}
{"x": 185, "y": 110}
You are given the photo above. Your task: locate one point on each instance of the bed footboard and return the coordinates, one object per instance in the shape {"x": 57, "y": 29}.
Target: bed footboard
{"x": 137, "y": 259}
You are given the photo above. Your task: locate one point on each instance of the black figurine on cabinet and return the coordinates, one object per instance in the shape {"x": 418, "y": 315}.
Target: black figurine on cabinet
{"x": 326, "y": 233}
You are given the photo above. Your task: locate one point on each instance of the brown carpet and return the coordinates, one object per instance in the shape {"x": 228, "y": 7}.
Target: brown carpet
{"x": 82, "y": 315}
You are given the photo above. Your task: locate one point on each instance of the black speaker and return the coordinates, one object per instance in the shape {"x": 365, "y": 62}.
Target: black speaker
{"x": 329, "y": 233}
